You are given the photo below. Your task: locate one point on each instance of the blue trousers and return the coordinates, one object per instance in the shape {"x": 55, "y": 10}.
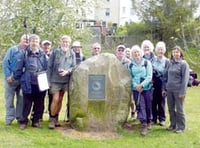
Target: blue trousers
{"x": 144, "y": 106}
{"x": 12, "y": 90}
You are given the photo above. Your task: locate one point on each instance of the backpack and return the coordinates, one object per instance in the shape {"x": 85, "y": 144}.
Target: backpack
{"x": 131, "y": 65}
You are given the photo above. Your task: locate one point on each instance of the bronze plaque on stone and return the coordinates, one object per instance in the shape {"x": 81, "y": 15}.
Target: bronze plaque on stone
{"x": 96, "y": 87}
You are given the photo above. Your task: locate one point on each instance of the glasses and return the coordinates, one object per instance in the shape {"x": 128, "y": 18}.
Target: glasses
{"x": 120, "y": 50}
{"x": 96, "y": 48}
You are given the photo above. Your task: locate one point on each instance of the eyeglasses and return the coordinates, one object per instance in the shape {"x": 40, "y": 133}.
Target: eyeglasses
{"x": 120, "y": 50}
{"x": 96, "y": 48}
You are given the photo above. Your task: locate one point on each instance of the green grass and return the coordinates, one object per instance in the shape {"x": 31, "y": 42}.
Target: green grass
{"x": 158, "y": 137}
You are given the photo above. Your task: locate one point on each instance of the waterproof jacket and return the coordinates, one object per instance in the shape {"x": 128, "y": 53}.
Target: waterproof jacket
{"x": 12, "y": 62}
{"x": 60, "y": 60}
{"x": 141, "y": 74}
{"x": 34, "y": 63}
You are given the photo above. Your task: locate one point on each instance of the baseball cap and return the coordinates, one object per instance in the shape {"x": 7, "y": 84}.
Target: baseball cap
{"x": 46, "y": 42}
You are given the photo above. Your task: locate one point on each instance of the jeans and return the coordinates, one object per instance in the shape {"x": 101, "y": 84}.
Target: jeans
{"x": 12, "y": 89}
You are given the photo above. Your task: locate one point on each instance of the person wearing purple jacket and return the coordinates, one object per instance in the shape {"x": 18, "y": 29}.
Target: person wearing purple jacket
{"x": 176, "y": 80}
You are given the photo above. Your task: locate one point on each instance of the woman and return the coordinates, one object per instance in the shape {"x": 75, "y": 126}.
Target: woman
{"x": 77, "y": 48}
{"x": 148, "y": 47}
{"x": 159, "y": 63}
{"x": 176, "y": 78}
{"x": 141, "y": 72}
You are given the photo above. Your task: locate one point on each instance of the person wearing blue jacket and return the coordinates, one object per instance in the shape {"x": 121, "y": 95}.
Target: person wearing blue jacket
{"x": 176, "y": 80}
{"x": 12, "y": 72}
{"x": 141, "y": 72}
{"x": 35, "y": 63}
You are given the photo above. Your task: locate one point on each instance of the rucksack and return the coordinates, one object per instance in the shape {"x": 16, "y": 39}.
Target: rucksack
{"x": 131, "y": 65}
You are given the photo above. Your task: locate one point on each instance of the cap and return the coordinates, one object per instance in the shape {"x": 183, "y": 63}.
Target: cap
{"x": 121, "y": 46}
{"x": 76, "y": 44}
{"x": 46, "y": 42}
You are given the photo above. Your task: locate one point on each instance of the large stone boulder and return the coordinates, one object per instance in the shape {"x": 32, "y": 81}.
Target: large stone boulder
{"x": 100, "y": 113}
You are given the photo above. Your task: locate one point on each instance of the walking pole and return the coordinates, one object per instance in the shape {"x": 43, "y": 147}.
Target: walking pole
{"x": 138, "y": 100}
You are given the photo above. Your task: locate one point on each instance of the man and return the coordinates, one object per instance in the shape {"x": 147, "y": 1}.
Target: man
{"x": 96, "y": 49}
{"x": 35, "y": 64}
{"x": 121, "y": 56}
{"x": 60, "y": 65}
{"x": 12, "y": 72}
{"x": 46, "y": 46}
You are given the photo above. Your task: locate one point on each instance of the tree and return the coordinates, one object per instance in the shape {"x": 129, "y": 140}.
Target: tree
{"x": 163, "y": 17}
{"x": 48, "y": 18}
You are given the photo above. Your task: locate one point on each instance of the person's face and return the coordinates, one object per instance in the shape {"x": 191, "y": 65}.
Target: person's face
{"x": 160, "y": 52}
{"x": 65, "y": 43}
{"x": 120, "y": 53}
{"x": 46, "y": 47}
{"x": 96, "y": 50}
{"x": 136, "y": 55}
{"x": 146, "y": 50}
{"x": 34, "y": 44}
{"x": 128, "y": 53}
{"x": 76, "y": 49}
{"x": 176, "y": 54}
{"x": 24, "y": 40}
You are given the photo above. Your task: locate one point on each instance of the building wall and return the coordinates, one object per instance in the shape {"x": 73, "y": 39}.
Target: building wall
{"x": 120, "y": 11}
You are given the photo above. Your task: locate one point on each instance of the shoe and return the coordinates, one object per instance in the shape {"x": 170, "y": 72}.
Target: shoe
{"x": 132, "y": 115}
{"x": 178, "y": 131}
{"x": 144, "y": 130}
{"x": 57, "y": 124}
{"x": 162, "y": 123}
{"x": 52, "y": 124}
{"x": 22, "y": 126}
{"x": 36, "y": 125}
{"x": 8, "y": 122}
{"x": 149, "y": 127}
{"x": 171, "y": 128}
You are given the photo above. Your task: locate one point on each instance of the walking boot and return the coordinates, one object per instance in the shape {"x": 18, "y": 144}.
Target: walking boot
{"x": 57, "y": 124}
{"x": 144, "y": 130}
{"x": 52, "y": 123}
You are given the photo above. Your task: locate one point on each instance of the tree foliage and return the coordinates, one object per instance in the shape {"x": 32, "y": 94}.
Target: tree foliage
{"x": 48, "y": 18}
{"x": 164, "y": 17}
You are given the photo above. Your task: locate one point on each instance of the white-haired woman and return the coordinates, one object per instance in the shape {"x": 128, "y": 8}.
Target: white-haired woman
{"x": 160, "y": 63}
{"x": 141, "y": 72}
{"x": 77, "y": 48}
{"x": 148, "y": 47}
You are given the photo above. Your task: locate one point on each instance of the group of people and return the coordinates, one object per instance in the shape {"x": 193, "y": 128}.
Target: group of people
{"x": 22, "y": 65}
{"x": 153, "y": 77}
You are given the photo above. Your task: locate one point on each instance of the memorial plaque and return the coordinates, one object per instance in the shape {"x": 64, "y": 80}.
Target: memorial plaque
{"x": 96, "y": 87}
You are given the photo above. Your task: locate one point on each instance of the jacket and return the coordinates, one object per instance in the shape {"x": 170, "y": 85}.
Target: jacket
{"x": 13, "y": 62}
{"x": 141, "y": 74}
{"x": 60, "y": 60}
{"x": 34, "y": 63}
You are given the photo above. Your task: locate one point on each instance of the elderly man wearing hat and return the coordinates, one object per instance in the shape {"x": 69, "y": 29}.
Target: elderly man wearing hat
{"x": 46, "y": 46}
{"x": 77, "y": 48}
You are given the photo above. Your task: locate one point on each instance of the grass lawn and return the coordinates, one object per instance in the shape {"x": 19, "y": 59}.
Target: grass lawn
{"x": 158, "y": 137}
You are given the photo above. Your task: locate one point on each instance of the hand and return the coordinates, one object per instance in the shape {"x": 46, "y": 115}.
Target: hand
{"x": 139, "y": 88}
{"x": 63, "y": 73}
{"x": 10, "y": 79}
{"x": 181, "y": 97}
{"x": 164, "y": 93}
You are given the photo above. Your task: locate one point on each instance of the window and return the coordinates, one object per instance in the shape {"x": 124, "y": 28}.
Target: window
{"x": 123, "y": 10}
{"x": 107, "y": 12}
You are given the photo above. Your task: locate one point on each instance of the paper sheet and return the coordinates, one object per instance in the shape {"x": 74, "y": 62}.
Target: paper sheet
{"x": 43, "y": 81}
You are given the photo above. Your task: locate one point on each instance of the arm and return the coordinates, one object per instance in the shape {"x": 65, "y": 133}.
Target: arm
{"x": 185, "y": 78}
